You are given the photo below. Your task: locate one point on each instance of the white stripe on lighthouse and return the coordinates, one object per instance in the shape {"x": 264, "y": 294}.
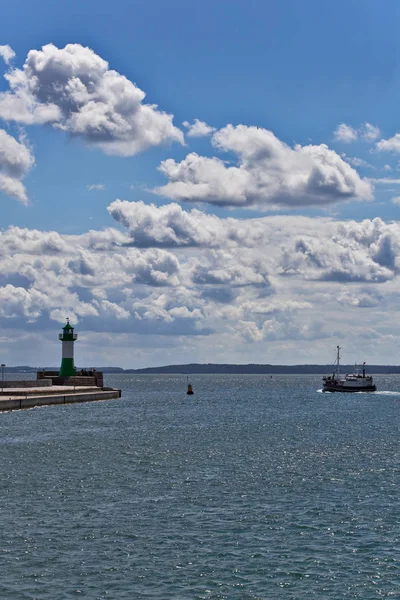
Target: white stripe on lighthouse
{"x": 68, "y": 349}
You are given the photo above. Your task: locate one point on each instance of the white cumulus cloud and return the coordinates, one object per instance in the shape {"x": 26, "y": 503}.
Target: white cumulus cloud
{"x": 73, "y": 89}
{"x": 16, "y": 160}
{"x": 390, "y": 145}
{"x": 248, "y": 251}
{"x": 168, "y": 225}
{"x": 198, "y": 128}
{"x": 346, "y": 133}
{"x": 268, "y": 173}
{"x": 19, "y": 302}
{"x": 222, "y": 287}
{"x": 370, "y": 132}
{"x": 7, "y": 53}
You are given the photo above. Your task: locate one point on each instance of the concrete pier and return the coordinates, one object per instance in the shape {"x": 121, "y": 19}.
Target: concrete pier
{"x": 19, "y": 398}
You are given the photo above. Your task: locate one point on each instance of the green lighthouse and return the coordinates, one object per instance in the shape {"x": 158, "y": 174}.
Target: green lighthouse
{"x": 67, "y": 338}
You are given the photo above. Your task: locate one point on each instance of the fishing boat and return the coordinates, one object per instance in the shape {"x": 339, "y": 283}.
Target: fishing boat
{"x": 357, "y": 381}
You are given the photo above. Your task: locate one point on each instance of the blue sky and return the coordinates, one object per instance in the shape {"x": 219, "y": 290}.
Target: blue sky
{"x": 298, "y": 69}
{"x": 281, "y": 74}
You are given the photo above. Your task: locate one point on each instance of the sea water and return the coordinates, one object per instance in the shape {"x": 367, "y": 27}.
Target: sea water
{"x": 252, "y": 488}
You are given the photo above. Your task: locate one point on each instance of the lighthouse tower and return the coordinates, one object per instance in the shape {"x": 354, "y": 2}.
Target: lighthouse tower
{"x": 67, "y": 338}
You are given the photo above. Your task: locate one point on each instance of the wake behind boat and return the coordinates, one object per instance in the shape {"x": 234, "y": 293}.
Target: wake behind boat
{"x": 353, "y": 382}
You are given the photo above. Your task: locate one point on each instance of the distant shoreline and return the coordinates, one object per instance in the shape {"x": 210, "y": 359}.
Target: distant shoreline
{"x": 229, "y": 369}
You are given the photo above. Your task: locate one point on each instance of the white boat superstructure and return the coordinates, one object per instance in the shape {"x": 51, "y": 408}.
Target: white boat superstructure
{"x": 357, "y": 381}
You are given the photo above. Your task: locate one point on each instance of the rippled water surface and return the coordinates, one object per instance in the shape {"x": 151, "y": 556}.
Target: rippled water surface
{"x": 253, "y": 488}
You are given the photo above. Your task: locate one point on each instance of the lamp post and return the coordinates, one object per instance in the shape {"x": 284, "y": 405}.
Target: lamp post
{"x": 3, "y": 366}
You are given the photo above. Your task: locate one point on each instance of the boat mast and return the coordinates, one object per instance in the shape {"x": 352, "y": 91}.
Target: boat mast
{"x": 337, "y": 359}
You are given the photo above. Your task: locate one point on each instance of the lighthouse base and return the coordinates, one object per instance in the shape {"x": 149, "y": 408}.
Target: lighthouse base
{"x": 93, "y": 378}
{"x": 67, "y": 368}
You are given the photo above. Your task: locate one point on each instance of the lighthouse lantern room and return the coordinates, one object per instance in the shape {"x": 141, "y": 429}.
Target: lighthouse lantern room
{"x": 67, "y": 338}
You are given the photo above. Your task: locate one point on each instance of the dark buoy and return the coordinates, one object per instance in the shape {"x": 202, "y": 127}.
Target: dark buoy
{"x": 190, "y": 389}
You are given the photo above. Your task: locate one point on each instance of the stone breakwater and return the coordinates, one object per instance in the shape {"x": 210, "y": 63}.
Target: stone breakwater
{"x": 27, "y": 383}
{"x": 20, "y": 398}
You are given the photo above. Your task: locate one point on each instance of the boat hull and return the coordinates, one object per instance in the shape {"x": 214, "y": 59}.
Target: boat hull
{"x": 334, "y": 388}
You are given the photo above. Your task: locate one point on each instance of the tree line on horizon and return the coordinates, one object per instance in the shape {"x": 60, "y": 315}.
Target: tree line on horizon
{"x": 228, "y": 369}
